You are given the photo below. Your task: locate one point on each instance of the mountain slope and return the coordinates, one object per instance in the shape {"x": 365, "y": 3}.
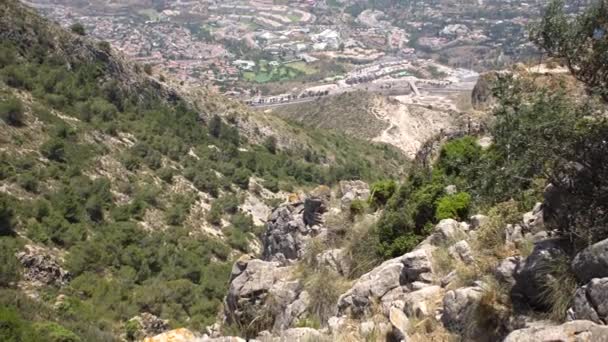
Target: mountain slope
{"x": 119, "y": 196}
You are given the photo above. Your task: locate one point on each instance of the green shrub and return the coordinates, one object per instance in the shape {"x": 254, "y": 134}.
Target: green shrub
{"x": 9, "y": 265}
{"x": 381, "y": 192}
{"x": 78, "y": 29}
{"x": 454, "y": 206}
{"x": 11, "y": 111}
{"x": 357, "y": 207}
{"x": 7, "y": 215}
{"x": 458, "y": 155}
{"x": 241, "y": 178}
{"x": 54, "y": 332}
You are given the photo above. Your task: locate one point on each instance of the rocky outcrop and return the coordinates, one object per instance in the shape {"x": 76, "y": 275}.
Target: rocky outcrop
{"x": 505, "y": 270}
{"x": 262, "y": 290}
{"x": 353, "y": 190}
{"x": 592, "y": 262}
{"x": 447, "y": 231}
{"x": 591, "y": 302}
{"x": 575, "y": 331}
{"x": 149, "y": 325}
{"x": 462, "y": 251}
{"x": 481, "y": 96}
{"x": 388, "y": 283}
{"x": 535, "y": 271}
{"x": 291, "y": 225}
{"x": 335, "y": 260}
{"x": 293, "y": 335}
{"x": 41, "y": 267}
{"x": 459, "y": 306}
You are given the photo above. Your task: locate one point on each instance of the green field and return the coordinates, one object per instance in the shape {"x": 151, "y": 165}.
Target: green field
{"x": 265, "y": 73}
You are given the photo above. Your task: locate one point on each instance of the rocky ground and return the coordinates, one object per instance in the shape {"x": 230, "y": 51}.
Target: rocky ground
{"x": 480, "y": 280}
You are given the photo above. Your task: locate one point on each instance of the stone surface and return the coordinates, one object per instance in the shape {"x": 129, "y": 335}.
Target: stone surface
{"x": 446, "y": 232}
{"x": 150, "y": 325}
{"x": 294, "y": 335}
{"x": 335, "y": 260}
{"x": 314, "y": 207}
{"x": 478, "y": 221}
{"x": 591, "y": 302}
{"x": 41, "y": 267}
{"x": 533, "y": 221}
{"x": 392, "y": 278}
{"x": 462, "y": 251}
{"x": 591, "y": 262}
{"x": 177, "y": 335}
{"x": 575, "y": 331}
{"x": 450, "y": 189}
{"x": 353, "y": 190}
{"x": 400, "y": 323}
{"x": 418, "y": 303}
{"x": 260, "y": 288}
{"x": 531, "y": 274}
{"x": 458, "y": 307}
{"x": 287, "y": 233}
{"x": 505, "y": 270}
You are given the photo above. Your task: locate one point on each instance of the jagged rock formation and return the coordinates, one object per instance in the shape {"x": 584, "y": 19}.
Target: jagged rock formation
{"x": 41, "y": 267}
{"x": 568, "y": 332}
{"x": 264, "y": 291}
{"x": 353, "y": 190}
{"x": 150, "y": 325}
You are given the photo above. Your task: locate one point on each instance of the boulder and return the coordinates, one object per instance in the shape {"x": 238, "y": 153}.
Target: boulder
{"x": 41, "y": 267}
{"x": 505, "y": 270}
{"x": 450, "y": 189}
{"x": 533, "y": 221}
{"x": 575, "y": 331}
{"x": 150, "y": 325}
{"x": 176, "y": 335}
{"x": 400, "y": 324}
{"x": 287, "y": 234}
{"x": 293, "y": 335}
{"x": 392, "y": 278}
{"x": 531, "y": 274}
{"x": 478, "y": 221}
{"x": 353, "y": 190}
{"x": 462, "y": 251}
{"x": 591, "y": 262}
{"x": 264, "y": 289}
{"x": 335, "y": 260}
{"x": 591, "y": 302}
{"x": 419, "y": 303}
{"x": 514, "y": 233}
{"x": 459, "y": 307}
{"x": 447, "y": 231}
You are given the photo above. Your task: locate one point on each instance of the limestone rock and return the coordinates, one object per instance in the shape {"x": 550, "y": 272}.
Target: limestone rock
{"x": 533, "y": 221}
{"x": 264, "y": 289}
{"x": 293, "y": 335}
{"x": 353, "y": 190}
{"x": 591, "y": 301}
{"x": 314, "y": 208}
{"x": 505, "y": 270}
{"x": 177, "y": 335}
{"x": 287, "y": 234}
{"x": 400, "y": 323}
{"x": 478, "y": 221}
{"x": 335, "y": 260}
{"x": 462, "y": 251}
{"x": 150, "y": 325}
{"x": 575, "y": 331}
{"x": 450, "y": 189}
{"x": 41, "y": 267}
{"x": 418, "y": 303}
{"x": 458, "y": 307}
{"x": 447, "y": 231}
{"x": 592, "y": 262}
{"x": 392, "y": 278}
